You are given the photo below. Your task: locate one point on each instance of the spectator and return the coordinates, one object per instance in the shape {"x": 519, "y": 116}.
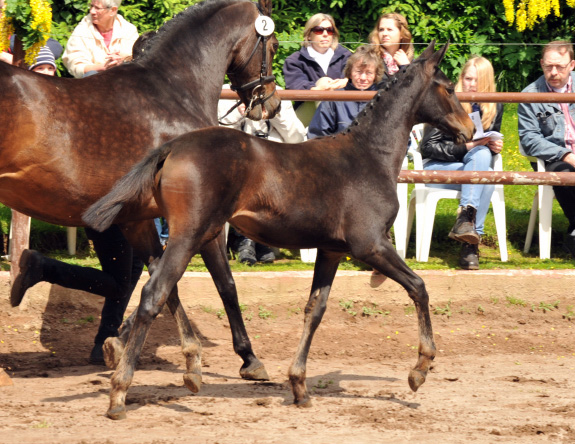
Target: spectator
{"x": 364, "y": 69}
{"x": 547, "y": 130}
{"x": 392, "y": 38}
{"x": 319, "y": 64}
{"x": 440, "y": 152}
{"x": 45, "y": 62}
{"x": 285, "y": 127}
{"x": 102, "y": 40}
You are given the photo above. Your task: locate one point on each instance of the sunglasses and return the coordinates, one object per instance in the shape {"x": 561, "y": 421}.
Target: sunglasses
{"x": 319, "y": 30}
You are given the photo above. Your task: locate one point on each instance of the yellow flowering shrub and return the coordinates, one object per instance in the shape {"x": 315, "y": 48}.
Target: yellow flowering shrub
{"x": 31, "y": 21}
{"x": 530, "y": 12}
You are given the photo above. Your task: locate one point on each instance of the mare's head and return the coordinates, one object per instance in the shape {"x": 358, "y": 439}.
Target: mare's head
{"x": 251, "y": 69}
{"x": 438, "y": 105}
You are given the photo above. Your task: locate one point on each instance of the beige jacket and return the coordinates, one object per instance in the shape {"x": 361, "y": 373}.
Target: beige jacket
{"x": 86, "y": 45}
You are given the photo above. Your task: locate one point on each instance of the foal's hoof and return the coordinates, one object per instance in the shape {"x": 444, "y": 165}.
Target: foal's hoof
{"x": 116, "y": 413}
{"x": 304, "y": 403}
{"x": 113, "y": 351}
{"x": 255, "y": 372}
{"x": 31, "y": 272}
{"x": 193, "y": 382}
{"x": 416, "y": 378}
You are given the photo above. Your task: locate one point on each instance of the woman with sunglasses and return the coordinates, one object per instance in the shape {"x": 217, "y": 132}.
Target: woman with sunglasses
{"x": 320, "y": 63}
{"x": 392, "y": 38}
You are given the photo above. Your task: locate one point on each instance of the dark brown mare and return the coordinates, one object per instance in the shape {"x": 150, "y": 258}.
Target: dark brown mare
{"x": 334, "y": 193}
{"x": 65, "y": 142}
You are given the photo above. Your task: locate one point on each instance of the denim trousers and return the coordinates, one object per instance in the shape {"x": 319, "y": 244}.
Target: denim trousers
{"x": 478, "y": 196}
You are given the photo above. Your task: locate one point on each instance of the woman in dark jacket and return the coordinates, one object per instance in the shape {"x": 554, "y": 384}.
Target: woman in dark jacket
{"x": 320, "y": 63}
{"x": 363, "y": 69}
{"x": 440, "y": 152}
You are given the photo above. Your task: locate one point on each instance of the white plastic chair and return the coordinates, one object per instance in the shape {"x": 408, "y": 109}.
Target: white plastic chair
{"x": 423, "y": 204}
{"x": 400, "y": 223}
{"x": 542, "y": 203}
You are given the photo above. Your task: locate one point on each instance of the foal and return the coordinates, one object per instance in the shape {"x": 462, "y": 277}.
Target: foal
{"x": 337, "y": 194}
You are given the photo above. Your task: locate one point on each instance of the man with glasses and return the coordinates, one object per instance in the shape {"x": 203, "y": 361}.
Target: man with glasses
{"x": 547, "y": 130}
{"x": 102, "y": 40}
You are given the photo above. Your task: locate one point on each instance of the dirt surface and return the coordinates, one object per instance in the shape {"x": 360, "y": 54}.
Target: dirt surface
{"x": 503, "y": 374}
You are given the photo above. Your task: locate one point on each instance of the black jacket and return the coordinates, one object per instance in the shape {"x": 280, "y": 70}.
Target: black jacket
{"x": 439, "y": 146}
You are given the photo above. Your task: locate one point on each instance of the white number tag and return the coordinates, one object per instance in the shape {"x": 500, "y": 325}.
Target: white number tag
{"x": 265, "y": 26}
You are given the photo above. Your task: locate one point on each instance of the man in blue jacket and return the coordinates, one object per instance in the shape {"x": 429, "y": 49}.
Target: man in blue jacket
{"x": 547, "y": 130}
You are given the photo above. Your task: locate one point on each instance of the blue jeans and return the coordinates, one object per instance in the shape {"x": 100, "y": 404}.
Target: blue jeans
{"x": 478, "y": 196}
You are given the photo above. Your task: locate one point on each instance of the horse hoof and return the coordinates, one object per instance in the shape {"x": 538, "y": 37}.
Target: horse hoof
{"x": 193, "y": 382}
{"x": 116, "y": 413}
{"x": 113, "y": 351}
{"x": 416, "y": 378}
{"x": 304, "y": 403}
{"x": 255, "y": 374}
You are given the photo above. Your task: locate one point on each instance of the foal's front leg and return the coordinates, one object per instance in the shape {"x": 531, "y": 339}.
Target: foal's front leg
{"x": 385, "y": 259}
{"x": 324, "y": 273}
{"x": 215, "y": 259}
{"x": 154, "y": 294}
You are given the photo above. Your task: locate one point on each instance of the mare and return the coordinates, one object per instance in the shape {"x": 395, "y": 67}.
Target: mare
{"x": 65, "y": 142}
{"x": 337, "y": 194}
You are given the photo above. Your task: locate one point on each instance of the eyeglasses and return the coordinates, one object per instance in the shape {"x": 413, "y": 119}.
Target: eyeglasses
{"x": 559, "y": 68}
{"x": 97, "y": 8}
{"x": 319, "y": 30}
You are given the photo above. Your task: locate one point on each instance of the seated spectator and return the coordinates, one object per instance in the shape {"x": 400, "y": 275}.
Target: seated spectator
{"x": 285, "y": 127}
{"x": 440, "y": 152}
{"x": 45, "y": 62}
{"x": 547, "y": 130}
{"x": 319, "y": 64}
{"x": 363, "y": 69}
{"x": 102, "y": 40}
{"x": 392, "y": 38}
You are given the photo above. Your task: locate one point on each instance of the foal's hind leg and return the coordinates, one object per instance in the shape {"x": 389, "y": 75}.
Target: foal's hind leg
{"x": 385, "y": 259}
{"x": 155, "y": 293}
{"x": 324, "y": 273}
{"x": 216, "y": 261}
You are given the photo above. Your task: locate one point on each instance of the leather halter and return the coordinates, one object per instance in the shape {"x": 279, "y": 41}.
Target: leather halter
{"x": 257, "y": 86}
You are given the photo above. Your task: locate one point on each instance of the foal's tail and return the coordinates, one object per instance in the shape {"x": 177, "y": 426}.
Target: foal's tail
{"x": 128, "y": 189}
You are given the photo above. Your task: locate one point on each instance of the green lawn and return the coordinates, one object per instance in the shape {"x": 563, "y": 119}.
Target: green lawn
{"x": 443, "y": 254}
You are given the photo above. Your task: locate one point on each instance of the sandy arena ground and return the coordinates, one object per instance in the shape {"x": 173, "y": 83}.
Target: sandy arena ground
{"x": 503, "y": 374}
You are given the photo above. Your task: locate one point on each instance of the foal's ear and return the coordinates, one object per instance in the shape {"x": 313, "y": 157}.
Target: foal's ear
{"x": 437, "y": 57}
{"x": 428, "y": 51}
{"x": 266, "y": 6}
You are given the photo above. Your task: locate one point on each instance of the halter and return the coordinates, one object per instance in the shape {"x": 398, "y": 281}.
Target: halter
{"x": 257, "y": 86}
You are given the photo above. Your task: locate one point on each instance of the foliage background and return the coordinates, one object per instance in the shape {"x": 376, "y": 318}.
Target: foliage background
{"x": 472, "y": 27}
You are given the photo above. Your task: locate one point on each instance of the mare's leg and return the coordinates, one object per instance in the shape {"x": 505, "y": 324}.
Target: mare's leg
{"x": 115, "y": 282}
{"x": 324, "y": 273}
{"x": 144, "y": 237}
{"x": 383, "y": 257}
{"x": 169, "y": 270}
{"x": 215, "y": 258}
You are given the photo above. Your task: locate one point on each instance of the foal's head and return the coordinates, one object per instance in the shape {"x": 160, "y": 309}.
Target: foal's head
{"x": 438, "y": 105}
{"x": 251, "y": 73}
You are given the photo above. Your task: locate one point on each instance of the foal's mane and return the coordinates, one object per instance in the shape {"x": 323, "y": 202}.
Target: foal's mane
{"x": 189, "y": 17}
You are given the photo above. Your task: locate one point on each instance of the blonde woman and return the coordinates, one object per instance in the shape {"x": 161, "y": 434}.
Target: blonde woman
{"x": 319, "y": 64}
{"x": 392, "y": 39}
{"x": 440, "y": 152}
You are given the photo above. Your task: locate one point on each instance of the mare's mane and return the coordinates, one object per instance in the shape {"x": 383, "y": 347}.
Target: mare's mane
{"x": 189, "y": 17}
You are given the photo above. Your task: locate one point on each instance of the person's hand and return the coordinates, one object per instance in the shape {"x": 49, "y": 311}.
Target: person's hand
{"x": 113, "y": 59}
{"x": 400, "y": 57}
{"x": 495, "y": 146}
{"x": 242, "y": 108}
{"x": 6, "y": 57}
{"x": 474, "y": 143}
{"x": 569, "y": 158}
{"x": 329, "y": 84}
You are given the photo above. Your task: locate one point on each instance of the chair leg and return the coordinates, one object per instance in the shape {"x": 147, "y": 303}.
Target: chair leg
{"x": 71, "y": 234}
{"x": 400, "y": 224}
{"x": 531, "y": 225}
{"x": 426, "y": 224}
{"x": 410, "y": 217}
{"x": 545, "y": 215}
{"x": 498, "y": 203}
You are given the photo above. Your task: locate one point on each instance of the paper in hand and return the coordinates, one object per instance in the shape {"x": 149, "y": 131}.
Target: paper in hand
{"x": 479, "y": 134}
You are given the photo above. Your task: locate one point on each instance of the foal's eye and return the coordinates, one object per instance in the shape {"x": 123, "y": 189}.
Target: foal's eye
{"x": 450, "y": 90}
{"x": 275, "y": 47}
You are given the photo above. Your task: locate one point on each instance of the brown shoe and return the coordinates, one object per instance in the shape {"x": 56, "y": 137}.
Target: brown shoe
{"x": 469, "y": 257}
{"x": 464, "y": 228}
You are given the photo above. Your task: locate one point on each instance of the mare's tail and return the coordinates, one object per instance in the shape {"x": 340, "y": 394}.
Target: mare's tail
{"x": 128, "y": 189}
